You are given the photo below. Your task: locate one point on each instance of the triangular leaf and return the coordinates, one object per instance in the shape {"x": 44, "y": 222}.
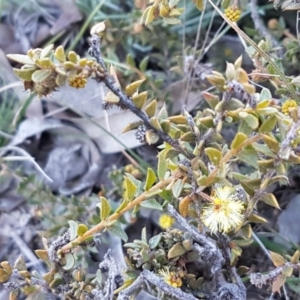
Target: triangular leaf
{"x": 238, "y": 139}
{"x": 118, "y": 231}
{"x": 271, "y": 200}
{"x": 73, "y": 229}
{"x": 130, "y": 189}
{"x": 277, "y": 259}
{"x": 104, "y": 208}
{"x": 150, "y": 179}
{"x": 82, "y": 229}
{"x": 162, "y": 165}
{"x": 152, "y": 204}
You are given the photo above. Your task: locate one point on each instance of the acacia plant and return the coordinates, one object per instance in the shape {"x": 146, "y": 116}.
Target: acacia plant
{"x": 209, "y": 185}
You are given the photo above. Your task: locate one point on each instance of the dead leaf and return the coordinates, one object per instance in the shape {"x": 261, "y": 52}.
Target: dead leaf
{"x": 89, "y": 101}
{"x": 70, "y": 15}
{"x": 278, "y": 283}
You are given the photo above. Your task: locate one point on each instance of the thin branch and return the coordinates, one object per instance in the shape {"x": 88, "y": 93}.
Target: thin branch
{"x": 27, "y": 156}
{"x": 126, "y": 101}
{"x": 116, "y": 216}
{"x": 259, "y": 279}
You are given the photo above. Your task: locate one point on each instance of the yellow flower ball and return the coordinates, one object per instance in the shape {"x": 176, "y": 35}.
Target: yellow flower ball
{"x": 78, "y": 81}
{"x": 233, "y": 13}
{"x": 287, "y": 105}
{"x": 166, "y": 221}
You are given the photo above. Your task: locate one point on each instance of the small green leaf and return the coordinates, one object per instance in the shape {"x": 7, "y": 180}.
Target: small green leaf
{"x": 130, "y": 60}
{"x": 133, "y": 87}
{"x": 163, "y": 114}
{"x": 214, "y": 155}
{"x": 254, "y": 218}
{"x": 46, "y": 51}
{"x": 268, "y": 125}
{"x": 105, "y": 208}
{"x": 264, "y": 149}
{"x": 267, "y": 111}
{"x": 118, "y": 231}
{"x": 271, "y": 142}
{"x": 150, "y": 179}
{"x": 24, "y": 74}
{"x": 162, "y": 165}
{"x": 167, "y": 195}
{"x": 150, "y": 109}
{"x": 151, "y": 137}
{"x": 199, "y": 4}
{"x": 249, "y": 156}
{"x": 60, "y": 54}
{"x": 177, "y": 188}
{"x": 265, "y": 94}
{"x": 144, "y": 64}
{"x": 238, "y": 139}
{"x": 295, "y": 258}
{"x": 246, "y": 231}
{"x": 252, "y": 121}
{"x": 130, "y": 189}
{"x": 82, "y": 229}
{"x": 152, "y": 204}
{"x": 70, "y": 261}
{"x": 154, "y": 241}
{"x": 40, "y": 75}
{"x": 122, "y": 206}
{"x": 138, "y": 183}
{"x": 176, "y": 250}
{"x": 73, "y": 229}
{"x": 271, "y": 200}
{"x": 21, "y": 58}
{"x": 132, "y": 126}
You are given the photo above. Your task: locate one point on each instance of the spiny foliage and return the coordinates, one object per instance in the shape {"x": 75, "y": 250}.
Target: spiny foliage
{"x": 201, "y": 177}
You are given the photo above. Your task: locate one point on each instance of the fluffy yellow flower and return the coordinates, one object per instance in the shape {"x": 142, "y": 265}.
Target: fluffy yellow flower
{"x": 171, "y": 278}
{"x": 233, "y": 13}
{"x": 78, "y": 82}
{"x": 287, "y": 105}
{"x": 224, "y": 212}
{"x": 166, "y": 221}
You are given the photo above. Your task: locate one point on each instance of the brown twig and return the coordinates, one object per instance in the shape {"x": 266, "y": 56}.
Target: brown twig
{"x": 115, "y": 216}
{"x": 125, "y": 101}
